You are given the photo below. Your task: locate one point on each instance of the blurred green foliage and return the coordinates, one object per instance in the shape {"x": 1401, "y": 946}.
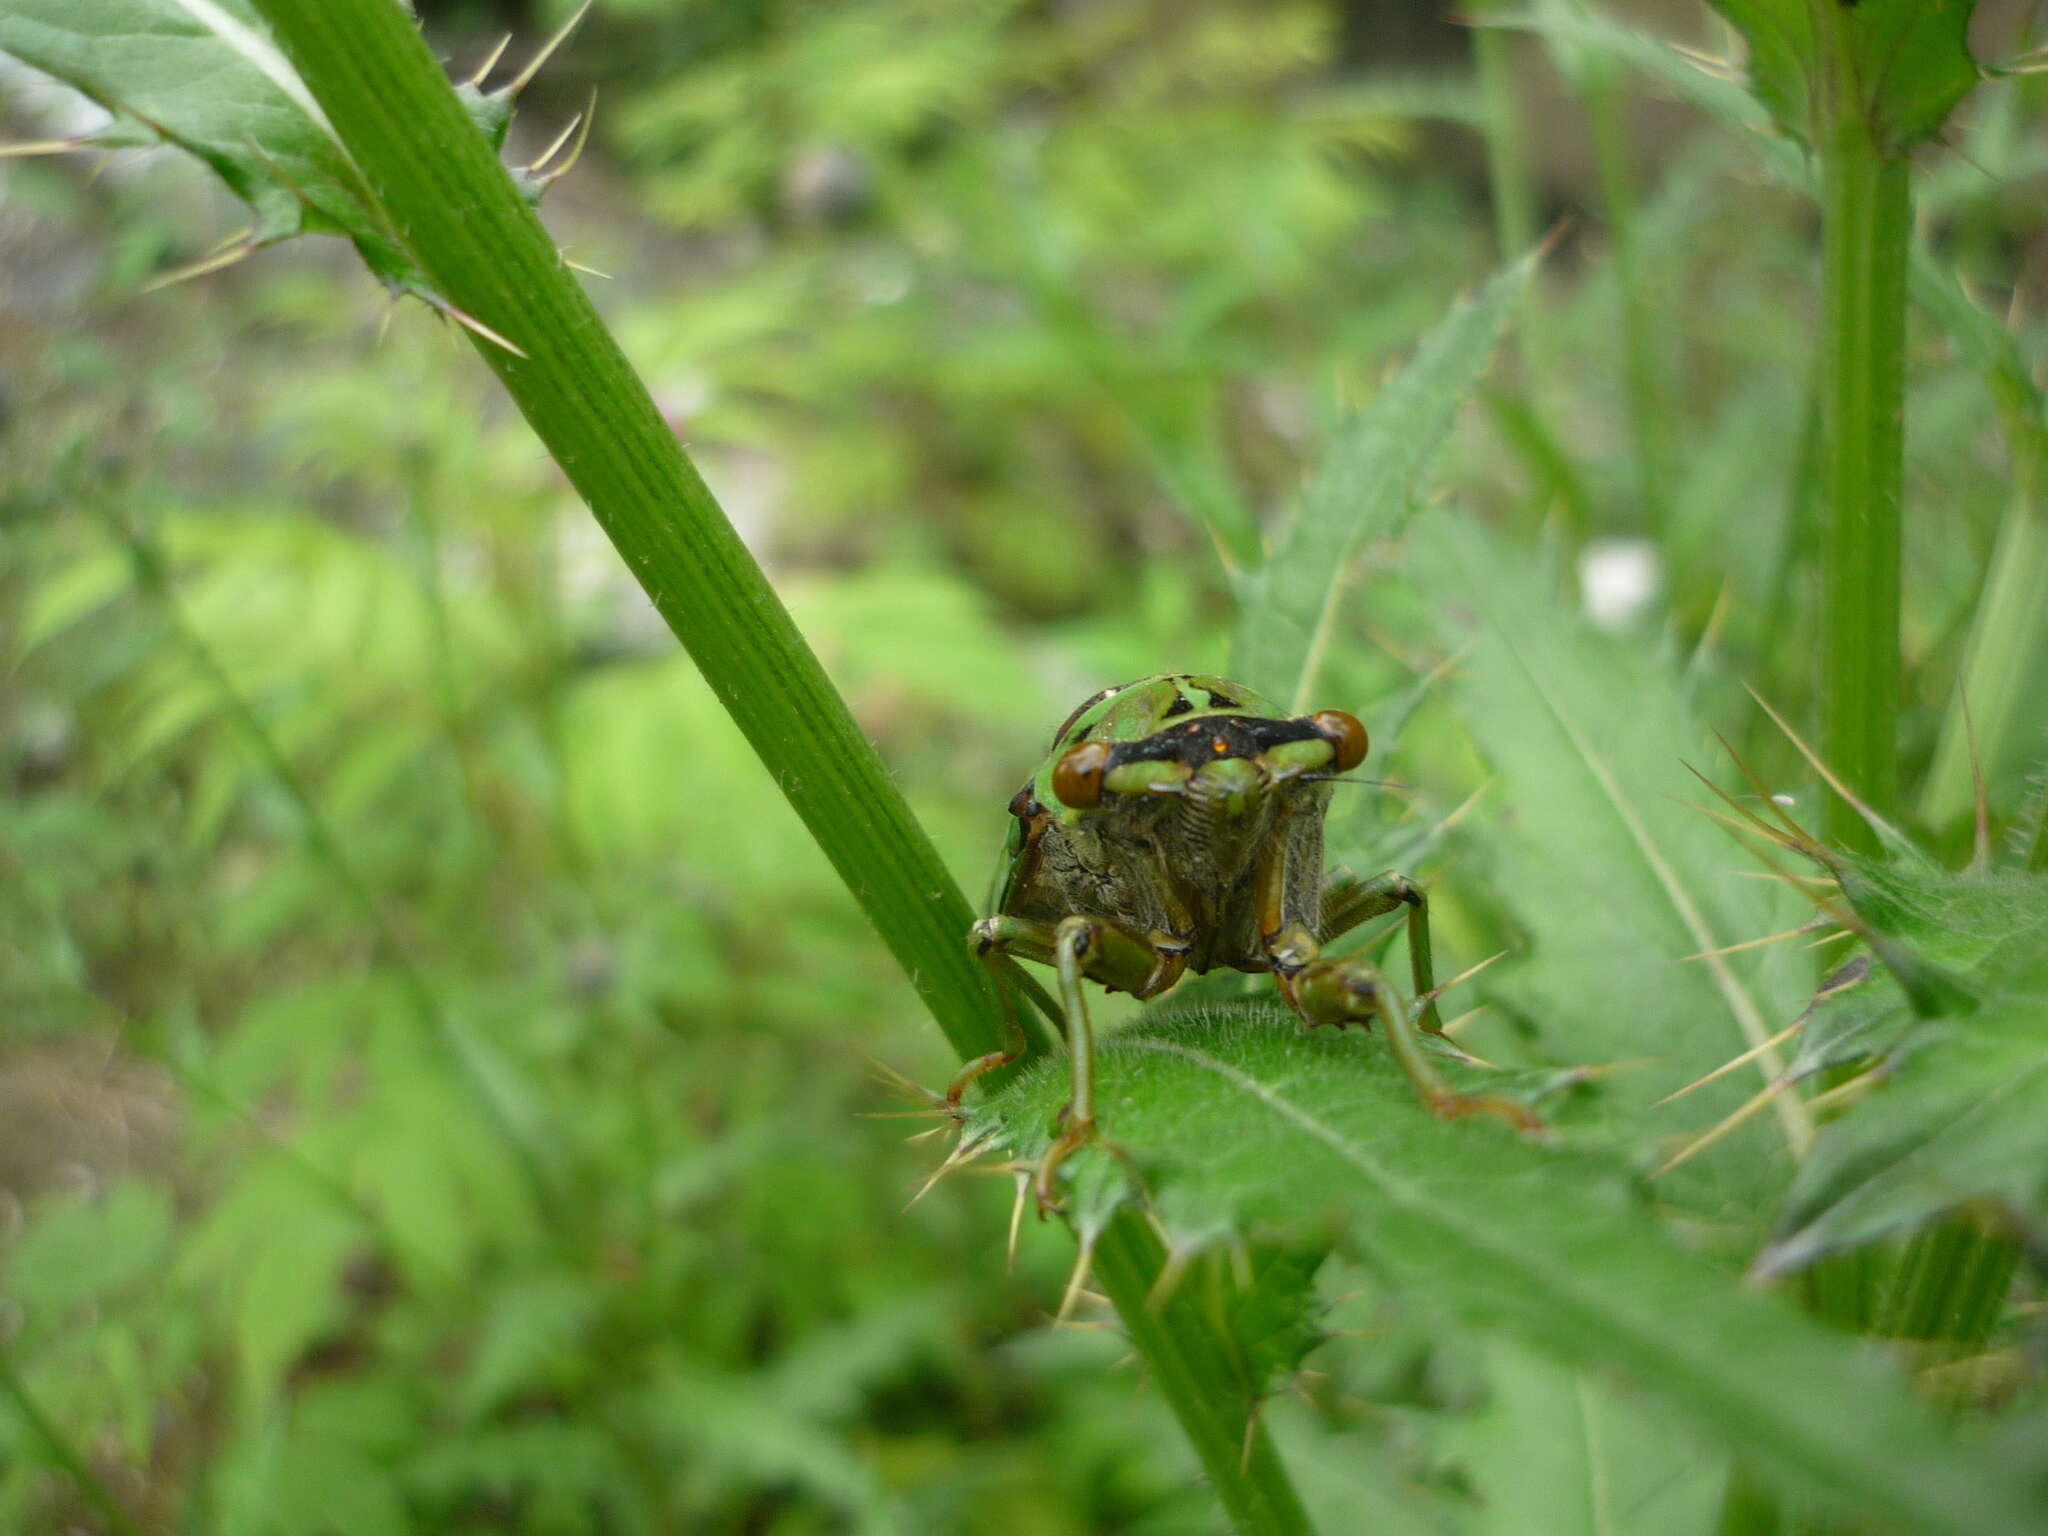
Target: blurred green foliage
{"x": 1003, "y": 330}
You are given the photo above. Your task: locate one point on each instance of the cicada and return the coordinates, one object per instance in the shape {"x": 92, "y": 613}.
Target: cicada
{"x": 1176, "y": 825}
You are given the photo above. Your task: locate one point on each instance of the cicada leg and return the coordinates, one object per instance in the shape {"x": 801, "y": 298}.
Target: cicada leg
{"x": 1009, "y": 981}
{"x": 1078, "y": 948}
{"x": 1349, "y": 901}
{"x": 1341, "y": 989}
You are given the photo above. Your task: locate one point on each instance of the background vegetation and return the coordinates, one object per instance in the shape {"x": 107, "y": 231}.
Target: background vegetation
{"x": 434, "y": 1062}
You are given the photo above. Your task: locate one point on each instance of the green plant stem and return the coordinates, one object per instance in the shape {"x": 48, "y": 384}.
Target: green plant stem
{"x": 1556, "y": 479}
{"x": 488, "y": 256}
{"x": 1512, "y": 187}
{"x": 1214, "y": 1411}
{"x": 1866, "y": 214}
{"x": 1952, "y": 1283}
{"x": 422, "y": 506}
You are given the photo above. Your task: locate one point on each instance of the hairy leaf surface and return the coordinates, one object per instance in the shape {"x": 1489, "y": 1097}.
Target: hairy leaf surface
{"x": 1232, "y": 1117}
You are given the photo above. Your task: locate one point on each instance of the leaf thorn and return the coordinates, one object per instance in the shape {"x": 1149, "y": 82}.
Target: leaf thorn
{"x": 1023, "y": 1177}
{"x": 1083, "y": 1261}
{"x": 547, "y": 49}
{"x": 490, "y": 62}
{"x": 1750, "y": 1107}
{"x": 1759, "y": 1049}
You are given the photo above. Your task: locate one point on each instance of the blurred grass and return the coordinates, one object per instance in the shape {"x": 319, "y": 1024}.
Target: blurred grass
{"x": 1003, "y": 338}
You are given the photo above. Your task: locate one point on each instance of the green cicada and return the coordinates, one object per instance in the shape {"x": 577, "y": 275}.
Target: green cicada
{"x": 1175, "y": 826}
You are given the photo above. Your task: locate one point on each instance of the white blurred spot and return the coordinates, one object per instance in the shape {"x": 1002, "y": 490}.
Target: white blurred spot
{"x": 684, "y": 394}
{"x": 1618, "y": 579}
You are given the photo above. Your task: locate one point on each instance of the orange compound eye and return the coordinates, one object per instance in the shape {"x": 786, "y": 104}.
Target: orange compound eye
{"x": 1343, "y": 732}
{"x": 1077, "y": 776}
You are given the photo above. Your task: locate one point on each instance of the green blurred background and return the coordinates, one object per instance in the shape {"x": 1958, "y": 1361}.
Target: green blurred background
{"x": 974, "y": 315}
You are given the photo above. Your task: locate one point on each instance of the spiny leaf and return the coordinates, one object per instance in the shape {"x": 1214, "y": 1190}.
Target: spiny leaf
{"x": 1232, "y": 1115}
{"x": 1611, "y": 877}
{"x": 1266, "y": 1298}
{"x": 1363, "y": 491}
{"x": 1704, "y": 83}
{"x": 205, "y": 76}
{"x": 1967, "y": 932}
{"x": 1908, "y": 61}
{"x": 1962, "y": 1111}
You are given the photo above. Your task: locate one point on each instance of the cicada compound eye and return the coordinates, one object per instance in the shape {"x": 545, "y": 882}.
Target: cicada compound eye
{"x": 1077, "y": 776}
{"x": 1344, "y": 733}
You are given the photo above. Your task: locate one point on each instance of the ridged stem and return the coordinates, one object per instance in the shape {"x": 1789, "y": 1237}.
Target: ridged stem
{"x": 1866, "y": 223}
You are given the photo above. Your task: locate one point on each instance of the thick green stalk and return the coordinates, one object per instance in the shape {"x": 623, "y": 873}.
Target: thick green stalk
{"x": 488, "y": 256}
{"x": 1866, "y": 216}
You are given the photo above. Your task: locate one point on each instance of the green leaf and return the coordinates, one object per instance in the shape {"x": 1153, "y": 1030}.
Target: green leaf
{"x": 274, "y": 1264}
{"x": 1905, "y": 63}
{"x": 1270, "y": 1311}
{"x": 81, "y": 1250}
{"x": 1965, "y": 1116}
{"x": 205, "y": 76}
{"x": 736, "y": 1433}
{"x": 1961, "y": 1109}
{"x": 534, "y": 1329}
{"x": 1951, "y": 939}
{"x": 1561, "y": 1449}
{"x": 1363, "y": 490}
{"x": 1551, "y": 1245}
{"x": 561, "y": 1476}
{"x": 1613, "y": 878}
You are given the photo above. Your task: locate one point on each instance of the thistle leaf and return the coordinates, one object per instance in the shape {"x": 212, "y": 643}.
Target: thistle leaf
{"x": 1962, "y": 1112}
{"x": 1909, "y": 61}
{"x": 1609, "y": 875}
{"x": 1363, "y": 490}
{"x": 1549, "y": 1244}
{"x": 206, "y": 77}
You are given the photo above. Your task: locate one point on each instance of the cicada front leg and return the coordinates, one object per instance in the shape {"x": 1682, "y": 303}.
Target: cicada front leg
{"x": 1349, "y": 901}
{"x": 1078, "y": 948}
{"x": 1340, "y": 989}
